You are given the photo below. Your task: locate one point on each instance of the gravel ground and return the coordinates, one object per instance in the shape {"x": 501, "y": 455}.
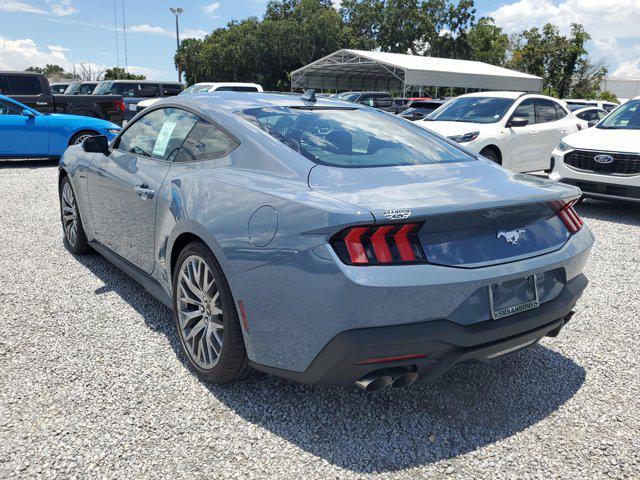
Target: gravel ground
{"x": 93, "y": 384}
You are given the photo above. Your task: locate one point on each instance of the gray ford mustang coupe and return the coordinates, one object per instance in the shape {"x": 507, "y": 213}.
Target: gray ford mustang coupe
{"x": 323, "y": 241}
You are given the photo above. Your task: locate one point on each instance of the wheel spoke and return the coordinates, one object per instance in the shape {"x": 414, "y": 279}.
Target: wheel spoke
{"x": 200, "y": 314}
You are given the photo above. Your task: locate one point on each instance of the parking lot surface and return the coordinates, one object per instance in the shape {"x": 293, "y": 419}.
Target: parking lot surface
{"x": 94, "y": 384}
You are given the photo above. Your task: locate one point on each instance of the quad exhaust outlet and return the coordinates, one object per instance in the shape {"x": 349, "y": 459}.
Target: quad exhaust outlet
{"x": 379, "y": 379}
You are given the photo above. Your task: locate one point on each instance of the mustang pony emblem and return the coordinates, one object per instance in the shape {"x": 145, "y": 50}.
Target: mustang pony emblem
{"x": 511, "y": 236}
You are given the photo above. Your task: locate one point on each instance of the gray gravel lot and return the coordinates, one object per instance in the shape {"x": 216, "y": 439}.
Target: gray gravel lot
{"x": 93, "y": 384}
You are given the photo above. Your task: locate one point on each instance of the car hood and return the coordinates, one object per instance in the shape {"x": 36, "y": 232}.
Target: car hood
{"x": 449, "y": 129}
{"x": 627, "y": 141}
{"x": 79, "y": 120}
{"x": 436, "y": 188}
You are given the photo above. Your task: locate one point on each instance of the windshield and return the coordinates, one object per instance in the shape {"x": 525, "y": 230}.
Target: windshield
{"x": 196, "y": 88}
{"x": 349, "y": 137}
{"x": 626, "y": 117}
{"x": 473, "y": 110}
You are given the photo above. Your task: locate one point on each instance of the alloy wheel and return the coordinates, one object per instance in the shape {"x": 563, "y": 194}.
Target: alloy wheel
{"x": 69, "y": 214}
{"x": 81, "y": 139}
{"x": 199, "y": 309}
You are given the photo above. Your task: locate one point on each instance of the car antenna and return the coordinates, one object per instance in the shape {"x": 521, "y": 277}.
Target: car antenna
{"x": 309, "y": 95}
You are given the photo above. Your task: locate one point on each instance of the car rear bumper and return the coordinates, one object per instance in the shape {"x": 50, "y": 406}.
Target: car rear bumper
{"x": 444, "y": 342}
{"x": 296, "y": 306}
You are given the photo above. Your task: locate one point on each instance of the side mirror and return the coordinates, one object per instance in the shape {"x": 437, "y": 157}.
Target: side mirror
{"x": 518, "y": 122}
{"x": 28, "y": 113}
{"x": 97, "y": 144}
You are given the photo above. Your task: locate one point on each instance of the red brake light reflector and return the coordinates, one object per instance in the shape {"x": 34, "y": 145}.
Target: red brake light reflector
{"x": 411, "y": 356}
{"x": 353, "y": 241}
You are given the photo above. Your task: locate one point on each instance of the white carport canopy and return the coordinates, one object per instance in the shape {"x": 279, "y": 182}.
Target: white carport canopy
{"x": 361, "y": 70}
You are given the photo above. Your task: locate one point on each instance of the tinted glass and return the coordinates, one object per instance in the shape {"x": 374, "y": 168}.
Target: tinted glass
{"x": 71, "y": 89}
{"x": 206, "y": 142}
{"x": 87, "y": 88}
{"x": 171, "y": 90}
{"x": 473, "y": 110}
{"x": 545, "y": 111}
{"x": 197, "y": 88}
{"x": 383, "y": 101}
{"x": 4, "y": 86}
{"x": 24, "y": 85}
{"x": 237, "y": 89}
{"x": 526, "y": 110}
{"x": 346, "y": 137}
{"x": 159, "y": 134}
{"x": 102, "y": 88}
{"x": 8, "y": 108}
{"x": 135, "y": 90}
{"x": 625, "y": 117}
{"x": 560, "y": 112}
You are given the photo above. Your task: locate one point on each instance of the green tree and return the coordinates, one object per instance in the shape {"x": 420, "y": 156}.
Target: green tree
{"x": 487, "y": 42}
{"x": 119, "y": 73}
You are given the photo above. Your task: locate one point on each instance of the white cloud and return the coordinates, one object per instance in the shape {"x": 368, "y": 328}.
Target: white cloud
{"x": 150, "y": 73}
{"x": 602, "y": 19}
{"x": 212, "y": 9}
{"x": 62, "y": 8}
{"x": 22, "y": 53}
{"x": 630, "y": 69}
{"x": 146, "y": 28}
{"x": 10, "y": 6}
{"x": 154, "y": 30}
{"x": 194, "y": 33}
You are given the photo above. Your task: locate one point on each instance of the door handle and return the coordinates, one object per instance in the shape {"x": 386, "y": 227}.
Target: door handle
{"x": 144, "y": 191}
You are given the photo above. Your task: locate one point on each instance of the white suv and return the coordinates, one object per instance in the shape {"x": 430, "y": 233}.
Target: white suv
{"x": 517, "y": 130}
{"x": 604, "y": 161}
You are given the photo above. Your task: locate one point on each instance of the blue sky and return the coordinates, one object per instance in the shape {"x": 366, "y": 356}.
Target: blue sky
{"x": 35, "y": 32}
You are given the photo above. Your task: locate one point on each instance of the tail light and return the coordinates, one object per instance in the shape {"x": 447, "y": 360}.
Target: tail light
{"x": 570, "y": 217}
{"x": 379, "y": 245}
{"x": 119, "y": 105}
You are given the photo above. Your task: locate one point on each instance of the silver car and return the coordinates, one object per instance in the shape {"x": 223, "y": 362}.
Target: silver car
{"x": 325, "y": 241}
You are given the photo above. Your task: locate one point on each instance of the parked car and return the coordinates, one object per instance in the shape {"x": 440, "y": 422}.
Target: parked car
{"x": 591, "y": 115}
{"x": 59, "y": 87}
{"x": 419, "y": 109}
{"x": 323, "y": 241}
{"x": 208, "y": 87}
{"x": 134, "y": 91}
{"x": 380, "y": 100}
{"x": 27, "y": 133}
{"x": 516, "y": 130}
{"x": 81, "y": 88}
{"x": 33, "y": 90}
{"x": 605, "y": 160}
{"x": 576, "y": 104}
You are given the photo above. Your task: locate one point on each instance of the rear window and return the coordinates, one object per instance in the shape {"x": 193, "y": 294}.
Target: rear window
{"x": 348, "y": 137}
{"x": 236, "y": 88}
{"x": 24, "y": 85}
{"x": 171, "y": 90}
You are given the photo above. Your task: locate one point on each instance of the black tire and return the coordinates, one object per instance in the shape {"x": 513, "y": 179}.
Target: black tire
{"x": 232, "y": 362}
{"x": 77, "y": 245}
{"x": 491, "y": 154}
{"x": 81, "y": 135}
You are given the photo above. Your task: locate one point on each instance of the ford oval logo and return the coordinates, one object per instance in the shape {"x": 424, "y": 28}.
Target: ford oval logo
{"x": 603, "y": 158}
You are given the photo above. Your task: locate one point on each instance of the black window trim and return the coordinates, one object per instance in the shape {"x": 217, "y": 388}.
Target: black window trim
{"x": 198, "y": 114}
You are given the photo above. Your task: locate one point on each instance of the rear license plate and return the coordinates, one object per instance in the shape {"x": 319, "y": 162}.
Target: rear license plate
{"x": 513, "y": 296}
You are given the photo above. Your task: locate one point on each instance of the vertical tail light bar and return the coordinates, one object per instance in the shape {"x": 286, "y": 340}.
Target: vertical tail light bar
{"x": 379, "y": 245}
{"x": 119, "y": 105}
{"x": 570, "y": 217}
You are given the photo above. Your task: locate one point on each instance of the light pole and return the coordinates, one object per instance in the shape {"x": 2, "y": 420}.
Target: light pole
{"x": 176, "y": 12}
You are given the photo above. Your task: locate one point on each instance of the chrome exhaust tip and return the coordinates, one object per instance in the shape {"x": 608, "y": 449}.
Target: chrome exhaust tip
{"x": 404, "y": 380}
{"x": 374, "y": 382}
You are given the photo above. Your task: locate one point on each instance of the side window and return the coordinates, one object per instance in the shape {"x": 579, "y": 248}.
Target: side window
{"x": 159, "y": 134}
{"x": 24, "y": 85}
{"x": 366, "y": 100}
{"x": 171, "y": 90}
{"x": 147, "y": 90}
{"x": 4, "y": 86}
{"x": 8, "y": 108}
{"x": 383, "y": 101}
{"x": 206, "y": 142}
{"x": 601, "y": 115}
{"x": 526, "y": 110}
{"x": 545, "y": 111}
{"x": 560, "y": 112}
